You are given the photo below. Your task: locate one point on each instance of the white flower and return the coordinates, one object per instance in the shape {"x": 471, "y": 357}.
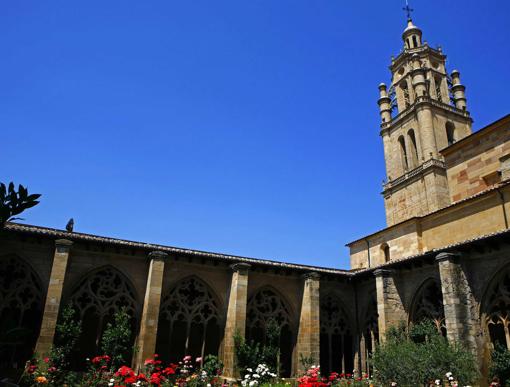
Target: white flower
{"x": 112, "y": 380}
{"x": 208, "y": 384}
{"x": 256, "y": 376}
{"x": 243, "y": 383}
{"x": 437, "y": 382}
{"x": 110, "y": 384}
{"x": 249, "y": 370}
{"x": 253, "y": 383}
{"x": 247, "y": 376}
{"x": 448, "y": 374}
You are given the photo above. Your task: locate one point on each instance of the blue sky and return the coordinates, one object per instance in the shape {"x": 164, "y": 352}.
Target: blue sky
{"x": 244, "y": 127}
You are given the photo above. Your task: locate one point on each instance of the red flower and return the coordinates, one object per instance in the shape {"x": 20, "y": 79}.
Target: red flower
{"x": 169, "y": 371}
{"x": 142, "y": 378}
{"x": 156, "y": 378}
{"x": 46, "y": 359}
{"x": 130, "y": 380}
{"x": 125, "y": 371}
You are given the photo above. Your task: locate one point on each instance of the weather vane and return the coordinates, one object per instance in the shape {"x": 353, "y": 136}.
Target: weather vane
{"x": 408, "y": 10}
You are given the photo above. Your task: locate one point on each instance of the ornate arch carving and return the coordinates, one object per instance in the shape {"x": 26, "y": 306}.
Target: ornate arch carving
{"x": 428, "y": 304}
{"x": 264, "y": 305}
{"x": 99, "y": 296}
{"x": 495, "y": 309}
{"x": 189, "y": 320}
{"x": 21, "y": 305}
{"x": 336, "y": 336}
{"x": 105, "y": 290}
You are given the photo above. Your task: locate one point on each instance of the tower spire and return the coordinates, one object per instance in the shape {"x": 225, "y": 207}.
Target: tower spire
{"x": 408, "y": 10}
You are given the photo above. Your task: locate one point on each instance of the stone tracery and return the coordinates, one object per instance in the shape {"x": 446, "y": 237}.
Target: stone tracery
{"x": 496, "y": 310}
{"x": 98, "y": 297}
{"x": 189, "y": 322}
{"x": 21, "y": 302}
{"x": 336, "y": 337}
{"x": 428, "y": 304}
{"x": 266, "y": 305}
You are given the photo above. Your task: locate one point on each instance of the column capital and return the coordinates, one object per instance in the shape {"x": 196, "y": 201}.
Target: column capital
{"x": 448, "y": 256}
{"x": 383, "y": 272}
{"x": 158, "y": 255}
{"x": 240, "y": 267}
{"x": 312, "y": 275}
{"x": 63, "y": 243}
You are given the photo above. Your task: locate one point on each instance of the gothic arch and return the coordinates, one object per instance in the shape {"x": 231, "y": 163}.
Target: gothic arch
{"x": 369, "y": 336}
{"x": 21, "y": 306}
{"x": 427, "y": 303}
{"x": 98, "y": 296}
{"x": 495, "y": 308}
{"x": 403, "y": 153}
{"x": 336, "y": 337}
{"x": 451, "y": 133}
{"x": 268, "y": 304}
{"x": 189, "y": 321}
{"x": 414, "y": 148}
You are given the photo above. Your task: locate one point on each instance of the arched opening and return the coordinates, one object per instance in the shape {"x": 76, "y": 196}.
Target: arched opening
{"x": 369, "y": 334}
{"x": 264, "y": 306}
{"x": 189, "y": 322}
{"x": 403, "y": 153}
{"x": 405, "y": 94}
{"x": 437, "y": 82}
{"x": 415, "y": 41}
{"x": 98, "y": 298}
{"x": 496, "y": 310}
{"x": 414, "y": 148}
{"x": 450, "y": 133}
{"x": 428, "y": 305}
{"x": 385, "y": 250}
{"x": 21, "y": 306}
{"x": 336, "y": 341}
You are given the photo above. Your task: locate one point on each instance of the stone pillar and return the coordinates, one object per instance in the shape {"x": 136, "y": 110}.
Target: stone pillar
{"x": 53, "y": 297}
{"x": 236, "y": 316}
{"x": 460, "y": 326}
{"x": 149, "y": 323}
{"x": 389, "y": 304}
{"x": 308, "y": 339}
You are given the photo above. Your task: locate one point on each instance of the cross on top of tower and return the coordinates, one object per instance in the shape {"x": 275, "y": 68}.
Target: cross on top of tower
{"x": 408, "y": 10}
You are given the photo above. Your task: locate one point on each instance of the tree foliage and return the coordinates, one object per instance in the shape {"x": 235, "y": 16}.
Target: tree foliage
{"x": 419, "y": 355}
{"x": 251, "y": 354}
{"x": 116, "y": 340}
{"x": 14, "y": 202}
{"x": 500, "y": 364}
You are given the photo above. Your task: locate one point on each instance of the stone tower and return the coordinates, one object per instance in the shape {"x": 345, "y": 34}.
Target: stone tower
{"x": 423, "y": 112}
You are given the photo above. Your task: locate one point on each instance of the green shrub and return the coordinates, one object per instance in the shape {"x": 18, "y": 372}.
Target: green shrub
{"x": 500, "y": 364}
{"x": 116, "y": 340}
{"x": 421, "y": 355}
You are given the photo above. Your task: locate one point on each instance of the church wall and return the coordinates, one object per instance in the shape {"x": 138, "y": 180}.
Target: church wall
{"x": 406, "y": 202}
{"x": 473, "y": 165}
{"x": 441, "y": 117}
{"x": 38, "y": 253}
{"x": 462, "y": 222}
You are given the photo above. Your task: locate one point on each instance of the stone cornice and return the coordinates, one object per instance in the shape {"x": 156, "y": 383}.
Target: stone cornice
{"x": 420, "y": 102}
{"x": 412, "y": 175}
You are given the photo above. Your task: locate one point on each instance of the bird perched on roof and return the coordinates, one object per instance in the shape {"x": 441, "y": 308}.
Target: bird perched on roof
{"x": 70, "y": 225}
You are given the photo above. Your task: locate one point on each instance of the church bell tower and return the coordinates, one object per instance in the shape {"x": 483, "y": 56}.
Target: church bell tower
{"x": 422, "y": 112}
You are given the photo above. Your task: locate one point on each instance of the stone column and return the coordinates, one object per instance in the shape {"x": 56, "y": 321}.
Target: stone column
{"x": 389, "y": 304}
{"x": 53, "y": 297}
{"x": 149, "y": 323}
{"x": 236, "y": 316}
{"x": 456, "y": 300}
{"x": 308, "y": 339}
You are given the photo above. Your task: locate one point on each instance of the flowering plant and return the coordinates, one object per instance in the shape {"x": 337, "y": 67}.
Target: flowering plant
{"x": 261, "y": 375}
{"x": 313, "y": 378}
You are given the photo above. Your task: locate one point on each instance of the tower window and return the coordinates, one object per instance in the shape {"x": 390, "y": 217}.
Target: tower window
{"x": 415, "y": 41}
{"x": 385, "y": 249}
{"x": 450, "y": 133}
{"x": 437, "y": 82}
{"x": 405, "y": 93}
{"x": 414, "y": 148}
{"x": 403, "y": 153}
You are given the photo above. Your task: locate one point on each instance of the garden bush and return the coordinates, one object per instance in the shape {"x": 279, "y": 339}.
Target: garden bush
{"x": 500, "y": 364}
{"x": 420, "y": 356}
